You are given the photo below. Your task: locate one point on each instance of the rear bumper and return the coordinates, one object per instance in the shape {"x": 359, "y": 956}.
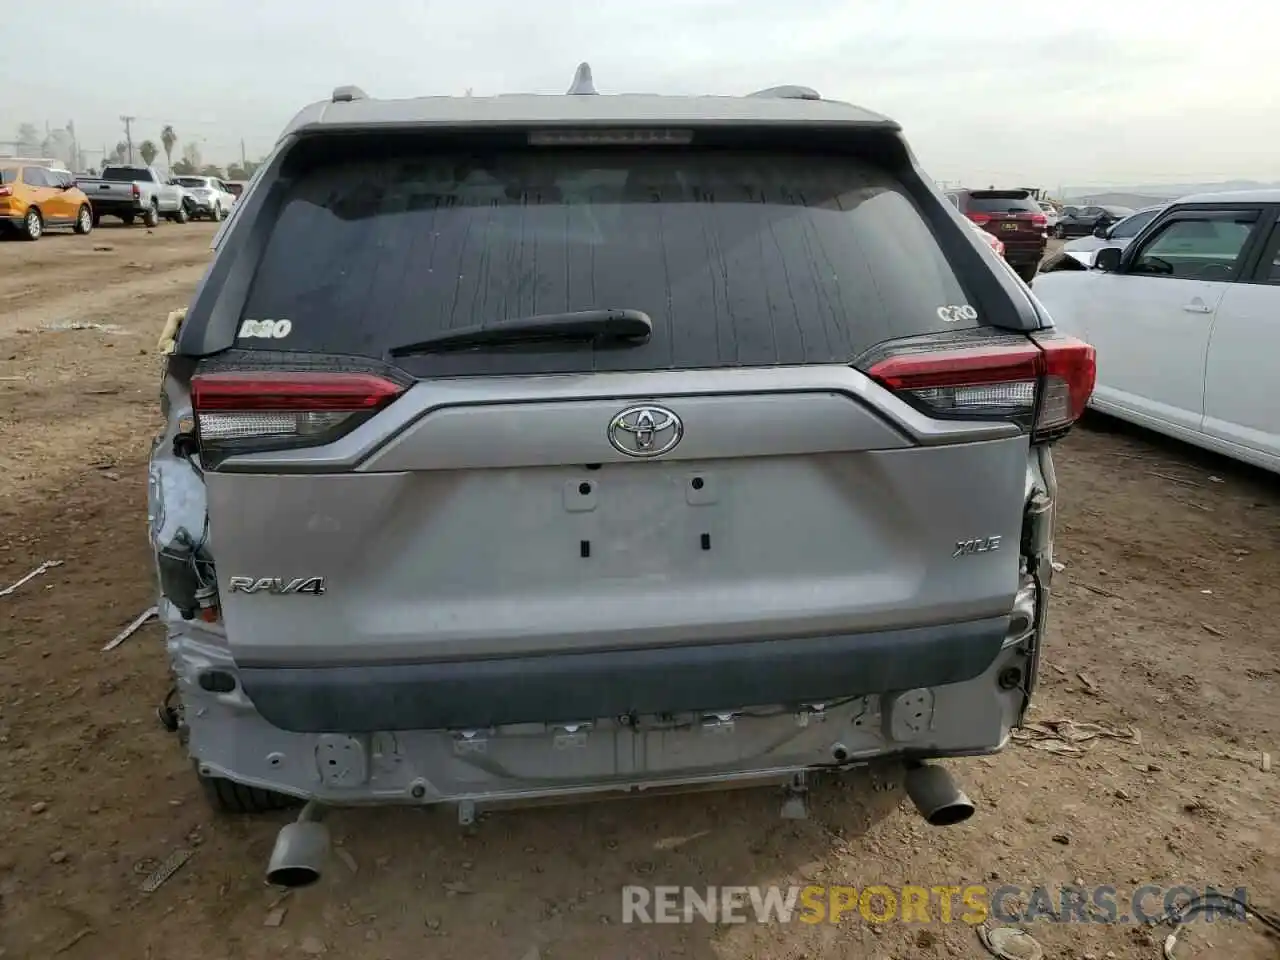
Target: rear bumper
{"x": 737, "y": 713}
{"x": 577, "y": 687}
{"x": 1023, "y": 252}
{"x": 114, "y": 208}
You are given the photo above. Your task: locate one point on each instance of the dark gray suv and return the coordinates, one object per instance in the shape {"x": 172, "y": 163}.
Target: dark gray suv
{"x": 529, "y": 446}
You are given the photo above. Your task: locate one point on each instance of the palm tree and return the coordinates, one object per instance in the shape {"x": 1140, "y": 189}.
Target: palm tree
{"x": 168, "y": 138}
{"x": 148, "y": 151}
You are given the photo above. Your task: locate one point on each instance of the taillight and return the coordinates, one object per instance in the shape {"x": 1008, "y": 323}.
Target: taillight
{"x": 6, "y": 192}
{"x": 1040, "y": 220}
{"x": 135, "y": 190}
{"x": 244, "y": 411}
{"x": 1041, "y": 383}
{"x": 981, "y": 219}
{"x": 1070, "y": 370}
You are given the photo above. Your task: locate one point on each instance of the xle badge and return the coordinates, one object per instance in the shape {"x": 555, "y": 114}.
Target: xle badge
{"x": 967, "y": 548}
{"x": 314, "y": 586}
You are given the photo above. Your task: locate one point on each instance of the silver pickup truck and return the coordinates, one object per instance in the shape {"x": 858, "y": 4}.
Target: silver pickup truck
{"x": 131, "y": 192}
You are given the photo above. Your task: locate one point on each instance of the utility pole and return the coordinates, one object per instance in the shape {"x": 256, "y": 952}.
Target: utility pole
{"x": 128, "y": 134}
{"x": 244, "y": 162}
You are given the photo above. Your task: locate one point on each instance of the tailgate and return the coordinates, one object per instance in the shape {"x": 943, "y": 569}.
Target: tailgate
{"x": 465, "y": 529}
{"x": 108, "y": 190}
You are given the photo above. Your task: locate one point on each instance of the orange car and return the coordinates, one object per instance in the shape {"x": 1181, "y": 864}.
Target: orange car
{"x": 33, "y": 198}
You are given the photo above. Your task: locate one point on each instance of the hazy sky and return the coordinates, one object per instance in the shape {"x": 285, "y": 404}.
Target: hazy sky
{"x": 1043, "y": 93}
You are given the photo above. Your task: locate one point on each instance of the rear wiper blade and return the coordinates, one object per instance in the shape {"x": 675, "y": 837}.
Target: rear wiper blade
{"x": 586, "y": 325}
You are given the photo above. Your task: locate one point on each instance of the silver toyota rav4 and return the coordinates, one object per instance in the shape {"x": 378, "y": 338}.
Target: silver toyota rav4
{"x": 529, "y": 446}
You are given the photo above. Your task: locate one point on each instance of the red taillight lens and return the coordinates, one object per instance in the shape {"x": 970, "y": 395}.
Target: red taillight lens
{"x": 1040, "y": 220}
{"x": 281, "y": 407}
{"x": 136, "y": 191}
{"x": 981, "y": 219}
{"x": 6, "y": 192}
{"x": 1070, "y": 371}
{"x": 1042, "y": 383}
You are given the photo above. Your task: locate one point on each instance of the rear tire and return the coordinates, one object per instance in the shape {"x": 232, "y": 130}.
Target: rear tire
{"x": 227, "y": 796}
{"x": 85, "y": 220}
{"x": 217, "y": 212}
{"x": 152, "y": 217}
{"x": 32, "y": 225}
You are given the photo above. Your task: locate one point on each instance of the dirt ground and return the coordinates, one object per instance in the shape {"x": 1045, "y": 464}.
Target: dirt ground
{"x": 1166, "y": 620}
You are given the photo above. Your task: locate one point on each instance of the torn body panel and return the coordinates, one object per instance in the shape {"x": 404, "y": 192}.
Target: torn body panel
{"x": 178, "y": 523}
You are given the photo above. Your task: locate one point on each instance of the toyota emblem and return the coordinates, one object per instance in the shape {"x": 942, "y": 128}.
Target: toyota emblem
{"x": 645, "y": 431}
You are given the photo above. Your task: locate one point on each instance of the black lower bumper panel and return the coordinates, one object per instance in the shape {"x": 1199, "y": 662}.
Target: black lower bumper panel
{"x": 576, "y": 687}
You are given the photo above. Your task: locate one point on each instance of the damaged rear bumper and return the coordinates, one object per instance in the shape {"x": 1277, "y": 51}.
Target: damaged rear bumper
{"x": 708, "y": 720}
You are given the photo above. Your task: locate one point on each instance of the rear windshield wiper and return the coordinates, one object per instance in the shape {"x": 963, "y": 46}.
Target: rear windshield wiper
{"x": 585, "y": 325}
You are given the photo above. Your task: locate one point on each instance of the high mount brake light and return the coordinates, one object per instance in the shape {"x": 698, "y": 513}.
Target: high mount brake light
{"x": 1042, "y": 382}
{"x": 285, "y": 409}
{"x": 639, "y": 136}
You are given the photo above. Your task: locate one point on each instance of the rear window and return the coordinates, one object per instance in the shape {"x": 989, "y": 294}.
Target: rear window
{"x": 125, "y": 174}
{"x": 1002, "y": 201}
{"x": 739, "y": 258}
{"x": 192, "y": 182}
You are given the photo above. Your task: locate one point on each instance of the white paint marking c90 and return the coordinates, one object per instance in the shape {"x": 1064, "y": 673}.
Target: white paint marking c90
{"x": 269, "y": 329}
{"x": 954, "y": 314}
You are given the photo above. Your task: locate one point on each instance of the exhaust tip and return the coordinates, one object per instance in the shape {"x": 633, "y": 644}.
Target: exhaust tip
{"x": 936, "y": 797}
{"x": 299, "y": 855}
{"x": 951, "y": 814}
{"x": 292, "y": 876}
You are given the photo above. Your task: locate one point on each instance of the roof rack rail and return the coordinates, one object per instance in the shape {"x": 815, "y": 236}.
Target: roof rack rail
{"x": 788, "y": 92}
{"x": 582, "y": 84}
{"x": 347, "y": 93}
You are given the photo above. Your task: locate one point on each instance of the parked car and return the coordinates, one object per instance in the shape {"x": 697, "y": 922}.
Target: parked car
{"x": 1183, "y": 320}
{"x": 34, "y": 199}
{"x": 211, "y": 197}
{"x": 1083, "y": 221}
{"x": 1012, "y": 215}
{"x": 1117, "y": 234}
{"x": 131, "y": 192}
{"x": 1051, "y": 214}
{"x": 422, "y": 537}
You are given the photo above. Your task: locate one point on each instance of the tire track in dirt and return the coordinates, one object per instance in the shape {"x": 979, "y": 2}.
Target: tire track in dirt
{"x": 123, "y": 302}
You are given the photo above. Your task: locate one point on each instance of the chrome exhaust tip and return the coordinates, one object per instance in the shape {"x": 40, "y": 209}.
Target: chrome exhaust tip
{"x": 936, "y": 796}
{"x": 301, "y": 849}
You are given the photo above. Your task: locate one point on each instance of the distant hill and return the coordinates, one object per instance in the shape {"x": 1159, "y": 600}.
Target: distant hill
{"x": 1145, "y": 195}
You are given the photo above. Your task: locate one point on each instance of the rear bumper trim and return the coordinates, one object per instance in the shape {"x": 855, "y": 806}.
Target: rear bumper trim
{"x": 567, "y": 688}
